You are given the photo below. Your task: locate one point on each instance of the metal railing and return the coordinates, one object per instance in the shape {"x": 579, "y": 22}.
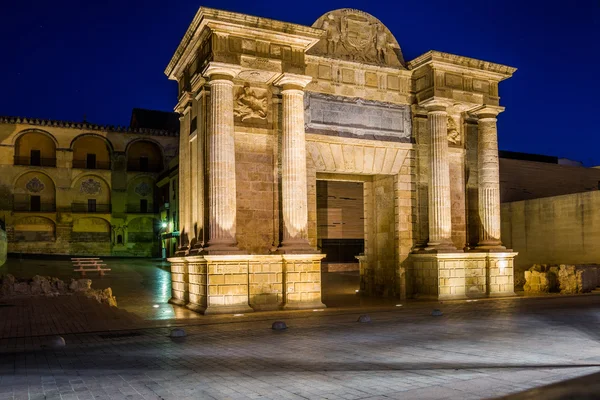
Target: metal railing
{"x": 83, "y": 164}
{"x": 89, "y": 208}
{"x": 41, "y": 162}
{"x": 27, "y": 206}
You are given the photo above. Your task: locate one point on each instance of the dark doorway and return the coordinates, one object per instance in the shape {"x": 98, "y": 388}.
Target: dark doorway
{"x": 36, "y": 157}
{"x": 91, "y": 205}
{"x": 35, "y": 203}
{"x": 143, "y": 206}
{"x": 144, "y": 164}
{"x": 90, "y": 162}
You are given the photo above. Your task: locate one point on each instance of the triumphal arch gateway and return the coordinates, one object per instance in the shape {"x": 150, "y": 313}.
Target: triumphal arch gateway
{"x": 269, "y": 109}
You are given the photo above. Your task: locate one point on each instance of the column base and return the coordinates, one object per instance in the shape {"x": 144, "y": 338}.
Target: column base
{"x": 182, "y": 251}
{"x": 218, "y": 249}
{"x": 443, "y": 246}
{"x": 296, "y": 247}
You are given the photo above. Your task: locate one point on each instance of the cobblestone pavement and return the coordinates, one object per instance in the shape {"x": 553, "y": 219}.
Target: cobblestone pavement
{"x": 475, "y": 350}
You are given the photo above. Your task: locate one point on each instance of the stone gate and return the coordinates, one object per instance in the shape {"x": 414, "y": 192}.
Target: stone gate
{"x": 268, "y": 108}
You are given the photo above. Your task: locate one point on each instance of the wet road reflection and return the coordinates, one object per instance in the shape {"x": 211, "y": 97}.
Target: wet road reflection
{"x": 142, "y": 286}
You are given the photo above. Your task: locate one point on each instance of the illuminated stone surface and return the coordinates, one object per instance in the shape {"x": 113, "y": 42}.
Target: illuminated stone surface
{"x": 280, "y": 106}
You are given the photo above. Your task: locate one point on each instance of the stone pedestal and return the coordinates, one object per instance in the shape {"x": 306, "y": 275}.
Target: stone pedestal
{"x": 462, "y": 275}
{"x": 232, "y": 284}
{"x": 179, "y": 281}
{"x": 302, "y": 281}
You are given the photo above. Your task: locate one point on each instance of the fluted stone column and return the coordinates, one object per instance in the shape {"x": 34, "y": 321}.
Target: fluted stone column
{"x": 221, "y": 160}
{"x": 184, "y": 169}
{"x": 440, "y": 222}
{"x": 293, "y": 165}
{"x": 489, "y": 181}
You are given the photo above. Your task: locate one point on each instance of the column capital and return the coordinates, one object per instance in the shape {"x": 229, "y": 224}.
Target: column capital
{"x": 184, "y": 102}
{"x": 292, "y": 81}
{"x": 218, "y": 70}
{"x": 484, "y": 112}
{"x": 436, "y": 105}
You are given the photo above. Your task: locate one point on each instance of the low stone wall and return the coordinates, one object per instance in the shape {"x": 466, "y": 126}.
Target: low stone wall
{"x": 11, "y": 287}
{"x": 566, "y": 279}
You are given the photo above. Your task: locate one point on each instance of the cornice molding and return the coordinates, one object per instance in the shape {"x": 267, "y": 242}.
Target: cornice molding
{"x": 440, "y": 59}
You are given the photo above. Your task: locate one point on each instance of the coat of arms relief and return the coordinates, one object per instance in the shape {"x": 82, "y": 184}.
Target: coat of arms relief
{"x": 357, "y": 36}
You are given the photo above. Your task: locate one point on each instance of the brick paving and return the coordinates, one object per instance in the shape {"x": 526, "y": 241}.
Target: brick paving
{"x": 475, "y": 350}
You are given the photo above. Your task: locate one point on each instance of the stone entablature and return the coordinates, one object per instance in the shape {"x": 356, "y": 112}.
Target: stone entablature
{"x": 269, "y": 107}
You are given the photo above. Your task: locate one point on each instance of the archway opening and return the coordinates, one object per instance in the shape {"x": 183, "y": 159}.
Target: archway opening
{"x": 340, "y": 235}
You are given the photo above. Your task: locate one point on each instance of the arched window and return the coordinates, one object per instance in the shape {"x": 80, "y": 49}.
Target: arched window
{"x": 35, "y": 148}
{"x": 144, "y": 156}
{"x": 91, "y": 152}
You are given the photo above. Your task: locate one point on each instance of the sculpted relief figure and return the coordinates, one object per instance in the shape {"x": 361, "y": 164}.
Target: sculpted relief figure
{"x": 357, "y": 36}
{"x": 330, "y": 25}
{"x": 381, "y": 43}
{"x": 453, "y": 134}
{"x": 248, "y": 105}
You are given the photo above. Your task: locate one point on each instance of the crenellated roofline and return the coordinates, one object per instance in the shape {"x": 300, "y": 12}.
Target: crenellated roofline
{"x": 85, "y": 126}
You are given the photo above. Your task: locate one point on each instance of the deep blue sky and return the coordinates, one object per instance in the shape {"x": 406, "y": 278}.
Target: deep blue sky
{"x": 67, "y": 59}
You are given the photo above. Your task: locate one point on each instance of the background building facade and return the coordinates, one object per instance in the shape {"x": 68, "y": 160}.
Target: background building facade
{"x": 81, "y": 189}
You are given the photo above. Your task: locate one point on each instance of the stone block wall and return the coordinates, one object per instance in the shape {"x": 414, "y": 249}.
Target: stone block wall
{"x": 265, "y": 283}
{"x": 461, "y": 275}
{"x": 302, "y": 283}
{"x": 179, "y": 282}
{"x": 256, "y": 202}
{"x": 553, "y": 230}
{"x": 243, "y": 283}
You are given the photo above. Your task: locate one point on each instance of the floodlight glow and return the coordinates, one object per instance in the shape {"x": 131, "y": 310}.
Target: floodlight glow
{"x": 163, "y": 224}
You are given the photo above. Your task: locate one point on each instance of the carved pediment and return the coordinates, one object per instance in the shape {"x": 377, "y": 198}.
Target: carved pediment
{"x": 354, "y": 35}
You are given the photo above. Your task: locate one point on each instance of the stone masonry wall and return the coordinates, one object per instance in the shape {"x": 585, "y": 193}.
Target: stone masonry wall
{"x": 553, "y": 230}
{"x": 255, "y": 187}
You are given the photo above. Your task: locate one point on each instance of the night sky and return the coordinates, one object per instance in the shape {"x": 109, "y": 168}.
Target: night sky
{"x": 63, "y": 60}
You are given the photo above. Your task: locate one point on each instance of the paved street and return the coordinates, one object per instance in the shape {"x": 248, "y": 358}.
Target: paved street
{"x": 476, "y": 350}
